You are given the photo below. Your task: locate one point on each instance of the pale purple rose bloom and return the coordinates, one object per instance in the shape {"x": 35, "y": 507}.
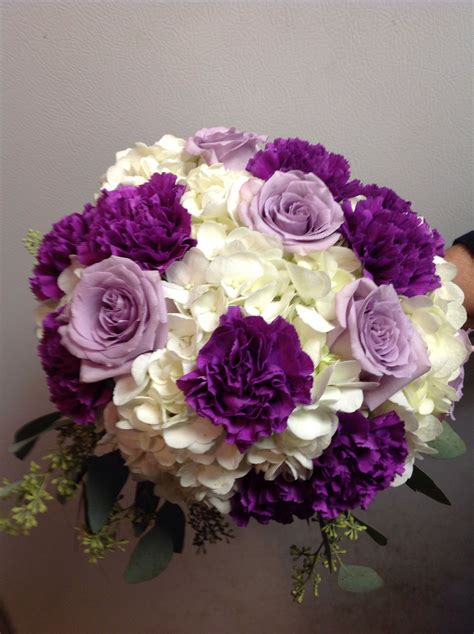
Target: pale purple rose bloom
{"x": 229, "y": 146}
{"x": 117, "y": 313}
{"x": 375, "y": 331}
{"x": 296, "y": 207}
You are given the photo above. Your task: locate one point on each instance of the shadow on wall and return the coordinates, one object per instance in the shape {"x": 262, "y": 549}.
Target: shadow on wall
{"x": 5, "y": 623}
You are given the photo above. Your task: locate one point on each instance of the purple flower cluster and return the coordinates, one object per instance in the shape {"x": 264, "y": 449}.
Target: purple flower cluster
{"x": 73, "y": 398}
{"x": 249, "y": 377}
{"x": 53, "y": 255}
{"x": 146, "y": 224}
{"x": 295, "y": 154}
{"x": 364, "y": 457}
{"x": 394, "y": 244}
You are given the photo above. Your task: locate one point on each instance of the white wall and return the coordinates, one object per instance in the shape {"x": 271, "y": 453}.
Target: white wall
{"x": 387, "y": 84}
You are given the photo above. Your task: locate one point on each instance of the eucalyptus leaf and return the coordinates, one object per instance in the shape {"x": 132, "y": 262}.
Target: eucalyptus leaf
{"x": 358, "y": 579}
{"x": 25, "y": 438}
{"x": 374, "y": 534}
{"x": 8, "y": 489}
{"x": 172, "y": 519}
{"x": 145, "y": 503}
{"x": 23, "y": 447}
{"x": 151, "y": 556}
{"x": 419, "y": 481}
{"x": 448, "y": 445}
{"x": 106, "y": 476}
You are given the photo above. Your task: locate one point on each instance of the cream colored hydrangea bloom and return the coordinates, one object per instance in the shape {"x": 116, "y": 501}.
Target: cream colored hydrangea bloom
{"x": 311, "y": 427}
{"x": 426, "y": 401}
{"x": 134, "y": 166}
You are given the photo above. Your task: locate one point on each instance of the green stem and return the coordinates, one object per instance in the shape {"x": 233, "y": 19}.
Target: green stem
{"x": 326, "y": 542}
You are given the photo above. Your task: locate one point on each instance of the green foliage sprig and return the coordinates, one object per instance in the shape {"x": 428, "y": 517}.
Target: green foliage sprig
{"x": 59, "y": 475}
{"x": 328, "y": 554}
{"x": 209, "y": 526}
{"x": 32, "y": 241}
{"x": 97, "y": 545}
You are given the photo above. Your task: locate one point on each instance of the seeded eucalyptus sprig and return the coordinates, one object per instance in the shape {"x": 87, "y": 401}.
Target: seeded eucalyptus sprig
{"x": 209, "y": 526}
{"x": 329, "y": 555}
{"x": 58, "y": 476}
{"x": 106, "y": 540}
{"x": 32, "y": 241}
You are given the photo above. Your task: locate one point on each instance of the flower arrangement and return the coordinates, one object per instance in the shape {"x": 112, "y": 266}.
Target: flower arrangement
{"x": 234, "y": 330}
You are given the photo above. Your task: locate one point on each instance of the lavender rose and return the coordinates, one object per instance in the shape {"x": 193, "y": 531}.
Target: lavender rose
{"x": 296, "y": 207}
{"x": 375, "y": 331}
{"x": 249, "y": 377}
{"x": 224, "y": 145}
{"x": 117, "y": 312}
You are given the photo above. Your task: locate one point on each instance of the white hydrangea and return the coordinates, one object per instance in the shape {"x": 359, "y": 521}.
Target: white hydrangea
{"x": 424, "y": 402}
{"x": 67, "y": 281}
{"x": 156, "y": 432}
{"x": 245, "y": 268}
{"x": 314, "y": 281}
{"x": 310, "y": 427}
{"x": 214, "y": 193}
{"x": 134, "y": 166}
{"x": 438, "y": 317}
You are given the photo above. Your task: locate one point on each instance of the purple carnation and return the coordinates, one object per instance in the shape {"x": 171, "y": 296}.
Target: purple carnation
{"x": 363, "y": 458}
{"x": 80, "y": 401}
{"x": 276, "y": 500}
{"x": 295, "y": 154}
{"x": 53, "y": 255}
{"x": 393, "y": 243}
{"x": 146, "y": 224}
{"x": 249, "y": 377}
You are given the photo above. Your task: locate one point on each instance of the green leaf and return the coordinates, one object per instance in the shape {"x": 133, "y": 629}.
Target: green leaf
{"x": 419, "y": 481}
{"x": 145, "y": 502}
{"x": 380, "y": 539}
{"x": 172, "y": 519}
{"x": 358, "y": 579}
{"x": 106, "y": 476}
{"x": 25, "y": 438}
{"x": 449, "y": 445}
{"x": 151, "y": 556}
{"x": 8, "y": 489}
{"x": 23, "y": 447}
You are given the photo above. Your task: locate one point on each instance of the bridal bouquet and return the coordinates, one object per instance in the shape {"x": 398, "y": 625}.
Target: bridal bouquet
{"x": 232, "y": 330}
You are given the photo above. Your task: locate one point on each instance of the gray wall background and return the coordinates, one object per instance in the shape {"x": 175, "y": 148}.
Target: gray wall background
{"x": 389, "y": 85}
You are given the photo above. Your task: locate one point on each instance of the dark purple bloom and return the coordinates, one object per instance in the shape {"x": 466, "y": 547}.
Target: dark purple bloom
{"x": 276, "y": 500}
{"x": 146, "y": 224}
{"x": 80, "y": 401}
{"x": 53, "y": 255}
{"x": 393, "y": 243}
{"x": 363, "y": 458}
{"x": 296, "y": 154}
{"x": 249, "y": 377}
